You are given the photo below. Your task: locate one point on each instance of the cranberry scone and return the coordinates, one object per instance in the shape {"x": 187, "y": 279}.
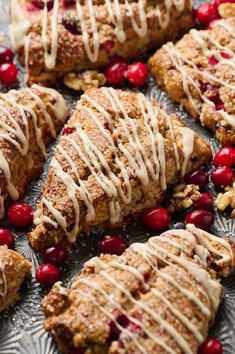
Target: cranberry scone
{"x": 198, "y": 72}
{"x": 117, "y": 155}
{"x": 66, "y": 36}
{"x": 14, "y": 269}
{"x": 158, "y": 297}
{"x": 30, "y": 119}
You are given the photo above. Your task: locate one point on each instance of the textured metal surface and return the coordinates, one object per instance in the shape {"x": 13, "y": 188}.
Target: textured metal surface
{"x": 21, "y": 329}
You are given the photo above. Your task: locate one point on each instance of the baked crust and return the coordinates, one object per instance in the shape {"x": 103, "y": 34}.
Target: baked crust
{"x": 163, "y": 293}
{"x": 71, "y": 47}
{"x": 198, "y": 73}
{"x": 113, "y": 165}
{"x": 14, "y": 268}
{"x": 30, "y": 119}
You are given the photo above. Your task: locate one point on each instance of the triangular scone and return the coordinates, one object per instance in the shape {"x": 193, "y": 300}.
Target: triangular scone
{"x": 30, "y": 119}
{"x": 14, "y": 268}
{"x": 117, "y": 156}
{"x": 71, "y": 36}
{"x": 157, "y": 297}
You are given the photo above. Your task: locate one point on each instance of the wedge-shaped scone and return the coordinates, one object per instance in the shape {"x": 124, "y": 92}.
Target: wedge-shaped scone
{"x": 198, "y": 72}
{"x": 158, "y": 297}
{"x": 117, "y": 156}
{"x": 79, "y": 35}
{"x": 14, "y": 269}
{"x": 29, "y": 120}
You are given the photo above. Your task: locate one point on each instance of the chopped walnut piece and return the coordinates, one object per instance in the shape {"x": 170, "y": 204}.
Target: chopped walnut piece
{"x": 226, "y": 199}
{"x": 226, "y": 10}
{"x": 85, "y": 80}
{"x": 183, "y": 196}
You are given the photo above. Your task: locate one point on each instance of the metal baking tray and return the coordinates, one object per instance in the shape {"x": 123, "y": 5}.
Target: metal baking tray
{"x": 21, "y": 326}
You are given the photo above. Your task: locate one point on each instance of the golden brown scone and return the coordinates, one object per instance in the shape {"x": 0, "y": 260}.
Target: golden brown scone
{"x": 14, "y": 268}
{"x": 71, "y": 38}
{"x": 198, "y": 73}
{"x": 116, "y": 158}
{"x": 30, "y": 119}
{"x": 158, "y": 297}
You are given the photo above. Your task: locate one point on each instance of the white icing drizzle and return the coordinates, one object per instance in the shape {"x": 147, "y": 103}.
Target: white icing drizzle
{"x": 3, "y": 280}
{"x": 147, "y": 166}
{"x": 188, "y": 145}
{"x": 152, "y": 251}
{"x": 19, "y": 137}
{"x": 204, "y": 39}
{"x": 90, "y": 34}
{"x": 19, "y": 25}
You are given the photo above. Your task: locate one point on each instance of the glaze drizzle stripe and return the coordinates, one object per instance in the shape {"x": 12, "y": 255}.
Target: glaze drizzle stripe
{"x": 4, "y": 280}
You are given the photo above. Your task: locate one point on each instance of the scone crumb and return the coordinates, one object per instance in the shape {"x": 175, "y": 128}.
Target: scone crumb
{"x": 226, "y": 199}
{"x": 226, "y": 10}
{"x": 183, "y": 196}
{"x": 85, "y": 80}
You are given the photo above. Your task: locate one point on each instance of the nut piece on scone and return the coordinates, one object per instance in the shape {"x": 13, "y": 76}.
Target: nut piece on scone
{"x": 14, "y": 269}
{"x": 30, "y": 119}
{"x": 117, "y": 155}
{"x": 65, "y": 38}
{"x": 157, "y": 297}
{"x": 198, "y": 73}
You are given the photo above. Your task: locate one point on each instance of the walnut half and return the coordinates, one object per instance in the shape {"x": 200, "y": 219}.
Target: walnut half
{"x": 226, "y": 199}
{"x": 85, "y": 80}
{"x": 183, "y": 196}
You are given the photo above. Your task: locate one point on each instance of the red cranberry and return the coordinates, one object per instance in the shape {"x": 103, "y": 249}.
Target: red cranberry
{"x": 68, "y": 130}
{"x": 225, "y": 55}
{"x": 117, "y": 59}
{"x": 107, "y": 45}
{"x": 54, "y": 255}
{"x": 206, "y": 12}
{"x": 47, "y": 274}
{"x": 6, "y": 55}
{"x": 155, "y": 218}
{"x": 40, "y": 4}
{"x": 211, "y": 23}
{"x": 112, "y": 245}
{"x": 20, "y": 214}
{"x": 225, "y": 157}
{"x": 137, "y": 73}
{"x": 202, "y": 219}
{"x": 218, "y": 2}
{"x": 6, "y": 238}
{"x": 204, "y": 86}
{"x": 211, "y": 346}
{"x": 205, "y": 202}
{"x": 8, "y": 73}
{"x": 214, "y": 97}
{"x": 199, "y": 178}
{"x": 115, "y": 72}
{"x": 212, "y": 60}
{"x": 222, "y": 176}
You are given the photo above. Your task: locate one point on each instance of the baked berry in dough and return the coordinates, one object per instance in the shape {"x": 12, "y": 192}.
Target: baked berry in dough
{"x": 117, "y": 155}
{"x": 157, "y": 297}
{"x": 84, "y": 34}
{"x": 198, "y": 72}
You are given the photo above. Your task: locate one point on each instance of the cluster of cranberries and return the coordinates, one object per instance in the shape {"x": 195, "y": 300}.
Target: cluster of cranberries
{"x": 207, "y": 13}
{"x": 118, "y": 70}
{"x": 8, "y": 71}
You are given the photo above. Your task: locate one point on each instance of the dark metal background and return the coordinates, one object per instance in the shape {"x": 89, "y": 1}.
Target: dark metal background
{"x": 21, "y": 330}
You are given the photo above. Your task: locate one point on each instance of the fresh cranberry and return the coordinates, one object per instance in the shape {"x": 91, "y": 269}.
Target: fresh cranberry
{"x": 112, "y": 245}
{"x": 211, "y": 23}
{"x": 47, "y": 274}
{"x": 206, "y": 12}
{"x": 222, "y": 176}
{"x": 205, "y": 202}
{"x": 6, "y": 238}
{"x": 8, "y": 73}
{"x": 54, "y": 255}
{"x": 107, "y": 45}
{"x": 20, "y": 214}
{"x": 40, "y": 4}
{"x": 137, "y": 73}
{"x": 200, "y": 178}
{"x": 115, "y": 72}
{"x": 6, "y": 55}
{"x": 68, "y": 130}
{"x": 155, "y": 218}
{"x": 211, "y": 346}
{"x": 202, "y": 219}
{"x": 225, "y": 157}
